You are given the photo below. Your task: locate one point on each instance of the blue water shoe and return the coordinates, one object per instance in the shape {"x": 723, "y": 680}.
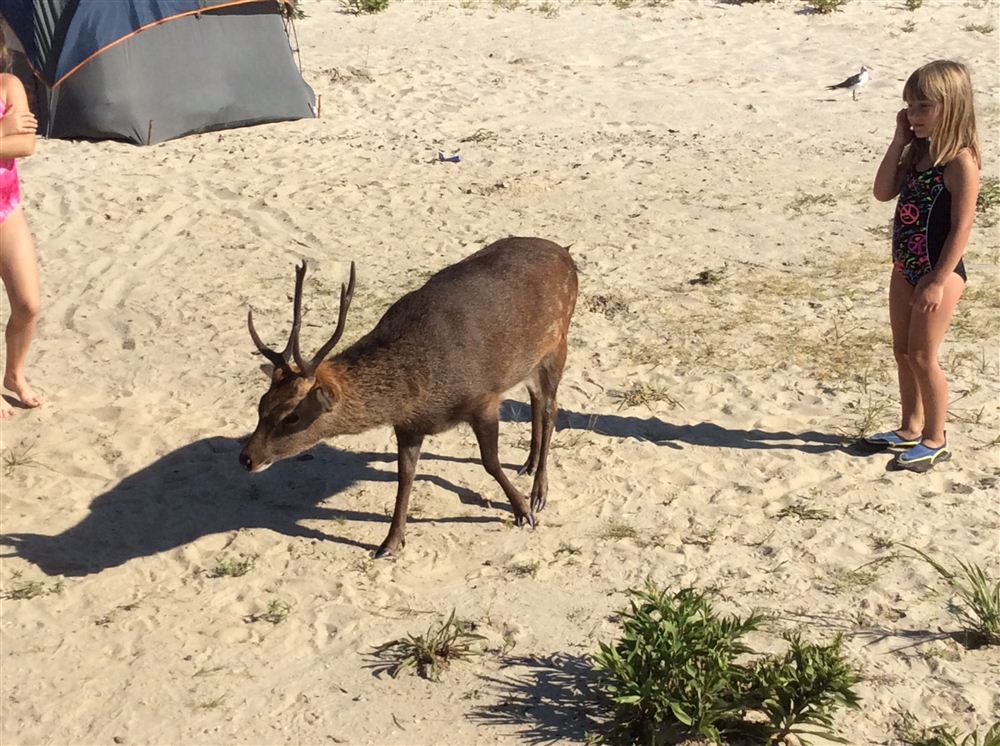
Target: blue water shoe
{"x": 890, "y": 439}
{"x": 922, "y": 458}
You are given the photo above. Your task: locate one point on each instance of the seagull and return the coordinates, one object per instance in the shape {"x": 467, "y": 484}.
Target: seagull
{"x": 854, "y": 82}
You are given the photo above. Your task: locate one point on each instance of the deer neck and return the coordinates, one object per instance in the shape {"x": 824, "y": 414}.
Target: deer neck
{"x": 368, "y": 394}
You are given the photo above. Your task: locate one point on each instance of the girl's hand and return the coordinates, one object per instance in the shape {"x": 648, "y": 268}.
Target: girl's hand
{"x": 928, "y": 295}
{"x": 17, "y": 122}
{"x": 903, "y": 134}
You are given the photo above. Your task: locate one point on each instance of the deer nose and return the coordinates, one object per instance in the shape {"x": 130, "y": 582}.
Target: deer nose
{"x": 245, "y": 461}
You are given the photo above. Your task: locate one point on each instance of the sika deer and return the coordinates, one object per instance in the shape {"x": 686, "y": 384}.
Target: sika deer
{"x": 442, "y": 354}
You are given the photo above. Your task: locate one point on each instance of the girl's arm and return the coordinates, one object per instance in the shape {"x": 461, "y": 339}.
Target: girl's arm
{"x": 961, "y": 178}
{"x": 15, "y": 146}
{"x": 889, "y": 177}
{"x": 17, "y": 122}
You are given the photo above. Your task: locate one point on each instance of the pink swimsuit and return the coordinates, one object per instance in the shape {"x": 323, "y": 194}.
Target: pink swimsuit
{"x": 10, "y": 192}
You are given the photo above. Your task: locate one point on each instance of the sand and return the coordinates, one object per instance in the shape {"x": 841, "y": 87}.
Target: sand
{"x": 731, "y": 335}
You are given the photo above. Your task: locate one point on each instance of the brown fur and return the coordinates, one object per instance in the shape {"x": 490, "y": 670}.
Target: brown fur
{"x": 442, "y": 354}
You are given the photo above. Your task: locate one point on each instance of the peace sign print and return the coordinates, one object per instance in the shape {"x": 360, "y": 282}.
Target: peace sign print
{"x": 909, "y": 213}
{"x": 918, "y": 244}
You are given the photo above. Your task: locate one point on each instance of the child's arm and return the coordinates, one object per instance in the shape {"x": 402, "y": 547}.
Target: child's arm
{"x": 889, "y": 177}
{"x": 15, "y": 145}
{"x": 961, "y": 178}
{"x": 17, "y": 122}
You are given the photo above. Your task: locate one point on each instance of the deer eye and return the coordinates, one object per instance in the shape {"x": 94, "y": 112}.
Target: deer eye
{"x": 292, "y": 419}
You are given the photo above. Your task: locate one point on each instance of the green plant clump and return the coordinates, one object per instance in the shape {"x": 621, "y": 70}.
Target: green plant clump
{"x": 277, "y": 611}
{"x": 291, "y": 9}
{"x": 359, "y": 7}
{"x": 679, "y": 669}
{"x": 230, "y": 567}
{"x": 674, "y": 663}
{"x": 825, "y": 6}
{"x": 804, "y": 687}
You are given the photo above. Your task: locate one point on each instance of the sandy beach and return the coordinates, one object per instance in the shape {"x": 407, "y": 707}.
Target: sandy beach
{"x": 731, "y": 336}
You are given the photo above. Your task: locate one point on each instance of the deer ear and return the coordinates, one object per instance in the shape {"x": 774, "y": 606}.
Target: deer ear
{"x": 321, "y": 398}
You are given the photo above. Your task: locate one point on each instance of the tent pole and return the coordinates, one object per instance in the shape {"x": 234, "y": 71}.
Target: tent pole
{"x": 149, "y": 133}
{"x": 49, "y": 114}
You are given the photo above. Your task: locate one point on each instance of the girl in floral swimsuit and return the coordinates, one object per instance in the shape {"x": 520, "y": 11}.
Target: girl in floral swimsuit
{"x": 932, "y": 164}
{"x": 18, "y": 263}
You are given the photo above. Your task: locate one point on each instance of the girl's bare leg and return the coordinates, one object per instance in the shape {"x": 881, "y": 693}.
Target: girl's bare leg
{"x": 19, "y": 272}
{"x": 927, "y": 331}
{"x": 900, "y": 295}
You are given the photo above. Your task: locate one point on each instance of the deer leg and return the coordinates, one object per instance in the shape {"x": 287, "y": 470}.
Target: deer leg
{"x": 548, "y": 375}
{"x": 487, "y": 430}
{"x": 408, "y": 447}
{"x": 536, "y": 428}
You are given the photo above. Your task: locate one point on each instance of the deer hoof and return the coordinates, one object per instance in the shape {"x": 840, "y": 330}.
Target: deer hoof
{"x": 537, "y": 503}
{"x": 384, "y": 552}
{"x": 527, "y": 518}
{"x": 528, "y": 468}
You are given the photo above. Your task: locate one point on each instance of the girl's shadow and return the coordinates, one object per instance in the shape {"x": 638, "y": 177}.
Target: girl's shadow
{"x": 666, "y": 434}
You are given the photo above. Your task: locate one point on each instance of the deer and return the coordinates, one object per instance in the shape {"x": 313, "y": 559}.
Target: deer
{"x": 441, "y": 355}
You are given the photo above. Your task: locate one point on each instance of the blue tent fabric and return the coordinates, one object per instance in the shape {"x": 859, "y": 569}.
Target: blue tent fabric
{"x": 151, "y": 70}
{"x": 20, "y": 15}
{"x": 98, "y": 23}
{"x": 84, "y": 26}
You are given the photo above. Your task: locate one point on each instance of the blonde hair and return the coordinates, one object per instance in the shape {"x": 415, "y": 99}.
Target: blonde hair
{"x": 4, "y": 54}
{"x": 947, "y": 83}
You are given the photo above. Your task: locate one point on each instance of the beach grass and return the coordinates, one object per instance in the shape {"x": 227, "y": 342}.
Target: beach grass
{"x": 978, "y": 607}
{"x": 276, "y": 612}
{"x": 25, "y": 590}
{"x": 231, "y": 567}
{"x": 911, "y": 733}
{"x": 430, "y": 653}
{"x": 616, "y": 530}
{"x": 17, "y": 458}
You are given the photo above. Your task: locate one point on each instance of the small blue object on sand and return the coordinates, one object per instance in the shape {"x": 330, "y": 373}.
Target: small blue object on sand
{"x": 449, "y": 158}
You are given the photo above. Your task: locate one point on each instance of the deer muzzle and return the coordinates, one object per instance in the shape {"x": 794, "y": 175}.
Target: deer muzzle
{"x": 250, "y": 464}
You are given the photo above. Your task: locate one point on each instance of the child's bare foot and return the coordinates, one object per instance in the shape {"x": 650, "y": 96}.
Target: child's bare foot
{"x": 6, "y": 410}
{"x": 25, "y": 394}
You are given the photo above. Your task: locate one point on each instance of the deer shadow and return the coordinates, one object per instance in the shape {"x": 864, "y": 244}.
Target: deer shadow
{"x": 663, "y": 433}
{"x": 553, "y": 701}
{"x": 199, "y": 489}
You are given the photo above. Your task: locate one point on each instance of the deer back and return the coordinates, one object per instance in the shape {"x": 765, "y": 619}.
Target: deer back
{"x": 478, "y": 326}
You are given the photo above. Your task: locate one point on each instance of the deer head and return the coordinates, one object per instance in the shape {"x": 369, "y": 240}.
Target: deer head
{"x": 289, "y": 412}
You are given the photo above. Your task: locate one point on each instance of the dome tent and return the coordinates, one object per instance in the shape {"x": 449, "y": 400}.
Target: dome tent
{"x": 146, "y": 71}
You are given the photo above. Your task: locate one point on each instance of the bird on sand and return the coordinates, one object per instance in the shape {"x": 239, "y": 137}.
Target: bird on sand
{"x": 854, "y": 82}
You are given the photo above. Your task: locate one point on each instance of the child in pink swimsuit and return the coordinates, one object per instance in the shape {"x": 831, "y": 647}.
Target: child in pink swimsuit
{"x": 18, "y": 261}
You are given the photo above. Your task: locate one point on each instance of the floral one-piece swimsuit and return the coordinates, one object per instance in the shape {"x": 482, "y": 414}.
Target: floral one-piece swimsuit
{"x": 922, "y": 224}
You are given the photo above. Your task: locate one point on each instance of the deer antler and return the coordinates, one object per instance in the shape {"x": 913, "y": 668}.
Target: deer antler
{"x": 280, "y": 360}
{"x": 346, "y": 294}
{"x": 293, "y": 338}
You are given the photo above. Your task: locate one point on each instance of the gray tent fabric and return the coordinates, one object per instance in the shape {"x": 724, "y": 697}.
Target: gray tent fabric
{"x": 194, "y": 74}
